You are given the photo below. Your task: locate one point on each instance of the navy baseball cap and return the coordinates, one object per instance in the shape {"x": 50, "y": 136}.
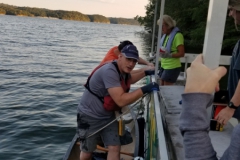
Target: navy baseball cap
{"x": 130, "y": 51}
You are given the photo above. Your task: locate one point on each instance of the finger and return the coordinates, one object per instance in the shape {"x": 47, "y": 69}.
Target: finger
{"x": 188, "y": 70}
{"x": 224, "y": 122}
{"x": 198, "y": 59}
{"x": 217, "y": 88}
{"x": 221, "y": 121}
{"x": 221, "y": 71}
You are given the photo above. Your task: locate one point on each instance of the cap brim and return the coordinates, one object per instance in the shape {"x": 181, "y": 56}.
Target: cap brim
{"x": 131, "y": 56}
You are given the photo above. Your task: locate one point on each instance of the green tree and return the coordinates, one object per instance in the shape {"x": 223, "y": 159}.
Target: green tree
{"x": 147, "y": 20}
{"x": 2, "y": 11}
{"x": 68, "y": 15}
{"x": 191, "y": 19}
{"x": 98, "y": 18}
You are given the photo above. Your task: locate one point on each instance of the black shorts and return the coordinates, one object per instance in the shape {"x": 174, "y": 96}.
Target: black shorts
{"x": 169, "y": 75}
{"x": 88, "y": 125}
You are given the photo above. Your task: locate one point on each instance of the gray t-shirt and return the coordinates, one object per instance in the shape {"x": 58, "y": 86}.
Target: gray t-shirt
{"x": 234, "y": 75}
{"x": 105, "y": 77}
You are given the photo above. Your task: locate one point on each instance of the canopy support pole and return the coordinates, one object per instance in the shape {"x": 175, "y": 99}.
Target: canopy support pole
{"x": 217, "y": 12}
{"x": 154, "y": 26}
{"x": 159, "y": 37}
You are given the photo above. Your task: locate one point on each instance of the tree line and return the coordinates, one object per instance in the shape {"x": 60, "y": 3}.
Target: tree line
{"x": 61, "y": 14}
{"x": 191, "y": 18}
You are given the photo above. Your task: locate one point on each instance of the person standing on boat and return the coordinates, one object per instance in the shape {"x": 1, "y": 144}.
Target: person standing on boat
{"x": 107, "y": 90}
{"x": 113, "y": 53}
{"x": 171, "y": 50}
{"x": 233, "y": 109}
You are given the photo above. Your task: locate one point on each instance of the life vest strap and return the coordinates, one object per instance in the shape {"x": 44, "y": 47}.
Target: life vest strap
{"x": 87, "y": 83}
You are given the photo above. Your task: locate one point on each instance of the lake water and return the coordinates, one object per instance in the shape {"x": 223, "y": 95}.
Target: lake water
{"x": 43, "y": 66}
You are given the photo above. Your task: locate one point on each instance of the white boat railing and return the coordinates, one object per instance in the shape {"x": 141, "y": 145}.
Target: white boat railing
{"x": 189, "y": 57}
{"x": 156, "y": 141}
{"x": 163, "y": 152}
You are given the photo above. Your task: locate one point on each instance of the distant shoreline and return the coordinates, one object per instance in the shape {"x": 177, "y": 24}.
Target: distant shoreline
{"x": 6, "y": 9}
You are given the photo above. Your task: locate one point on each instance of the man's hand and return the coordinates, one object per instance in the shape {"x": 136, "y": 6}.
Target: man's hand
{"x": 201, "y": 79}
{"x": 150, "y": 87}
{"x": 224, "y": 115}
{"x": 150, "y": 64}
{"x": 148, "y": 68}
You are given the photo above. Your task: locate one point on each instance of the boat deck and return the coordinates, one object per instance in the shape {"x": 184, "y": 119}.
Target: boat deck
{"x": 171, "y": 108}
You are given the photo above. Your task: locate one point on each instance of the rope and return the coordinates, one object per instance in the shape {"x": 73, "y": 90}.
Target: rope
{"x": 117, "y": 117}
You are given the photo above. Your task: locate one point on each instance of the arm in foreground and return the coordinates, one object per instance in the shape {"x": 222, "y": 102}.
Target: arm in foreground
{"x": 194, "y": 123}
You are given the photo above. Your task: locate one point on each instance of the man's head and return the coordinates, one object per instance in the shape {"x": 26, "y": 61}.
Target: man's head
{"x": 234, "y": 10}
{"x": 128, "y": 58}
{"x": 123, "y": 44}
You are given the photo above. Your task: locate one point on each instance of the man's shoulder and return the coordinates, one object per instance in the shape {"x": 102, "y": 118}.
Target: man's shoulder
{"x": 236, "y": 49}
{"x": 108, "y": 68}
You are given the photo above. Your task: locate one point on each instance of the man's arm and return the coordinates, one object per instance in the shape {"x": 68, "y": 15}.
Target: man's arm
{"x": 142, "y": 69}
{"x": 227, "y": 113}
{"x": 122, "y": 98}
{"x": 139, "y": 74}
{"x": 235, "y": 99}
{"x": 142, "y": 61}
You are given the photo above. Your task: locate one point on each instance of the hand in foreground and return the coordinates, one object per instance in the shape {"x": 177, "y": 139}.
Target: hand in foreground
{"x": 150, "y": 87}
{"x": 201, "y": 79}
{"x": 224, "y": 115}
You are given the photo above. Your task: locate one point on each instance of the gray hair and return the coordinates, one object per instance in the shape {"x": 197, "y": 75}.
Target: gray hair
{"x": 169, "y": 21}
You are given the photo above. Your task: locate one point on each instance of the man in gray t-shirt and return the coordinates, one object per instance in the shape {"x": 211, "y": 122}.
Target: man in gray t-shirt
{"x": 107, "y": 80}
{"x": 233, "y": 109}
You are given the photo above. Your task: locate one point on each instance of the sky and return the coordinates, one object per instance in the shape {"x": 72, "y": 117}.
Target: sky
{"x": 107, "y": 8}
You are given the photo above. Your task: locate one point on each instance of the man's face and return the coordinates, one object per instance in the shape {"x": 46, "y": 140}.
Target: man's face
{"x": 235, "y": 14}
{"x": 126, "y": 64}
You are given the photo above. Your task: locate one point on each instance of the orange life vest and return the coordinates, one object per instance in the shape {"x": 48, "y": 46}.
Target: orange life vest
{"x": 108, "y": 102}
{"x": 110, "y": 56}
